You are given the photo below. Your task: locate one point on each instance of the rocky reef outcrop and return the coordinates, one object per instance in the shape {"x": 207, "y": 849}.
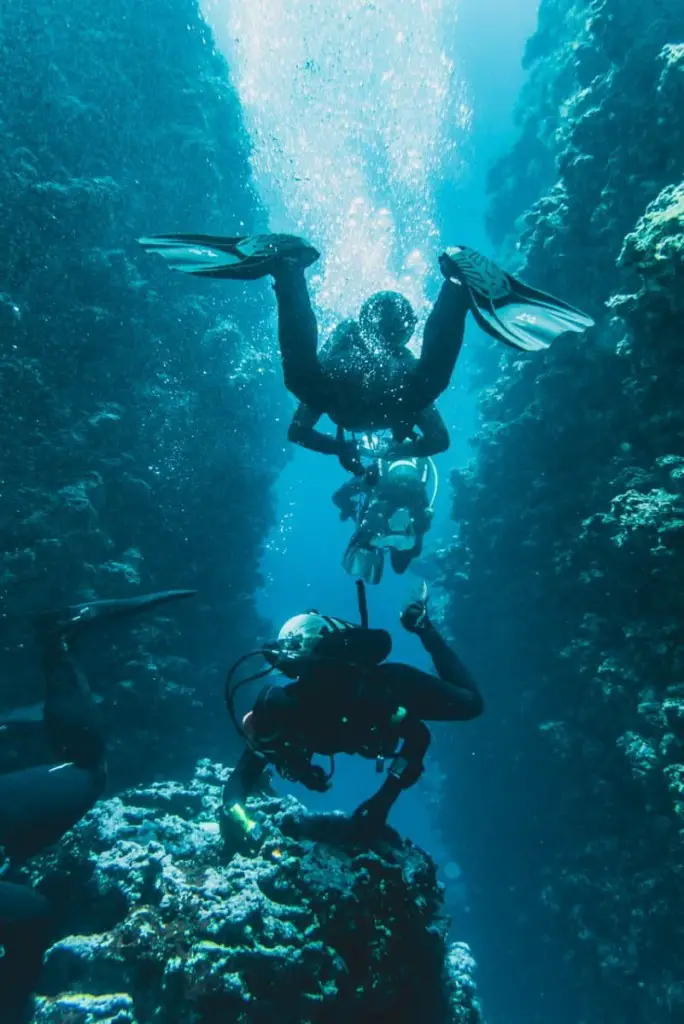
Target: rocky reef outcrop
{"x": 565, "y": 579}
{"x": 138, "y": 407}
{"x": 307, "y": 925}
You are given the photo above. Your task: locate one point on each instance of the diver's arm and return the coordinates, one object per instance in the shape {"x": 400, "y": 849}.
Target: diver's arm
{"x": 243, "y": 778}
{"x": 451, "y": 670}
{"x": 302, "y": 432}
{"x": 449, "y": 667}
{"x": 434, "y": 439}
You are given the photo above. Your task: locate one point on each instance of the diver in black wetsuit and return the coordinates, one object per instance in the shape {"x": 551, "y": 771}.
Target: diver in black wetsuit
{"x": 39, "y": 805}
{"x": 346, "y": 699}
{"x": 365, "y": 378}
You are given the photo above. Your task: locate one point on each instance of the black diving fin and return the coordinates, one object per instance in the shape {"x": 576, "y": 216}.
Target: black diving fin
{"x": 509, "y": 310}
{"x": 76, "y": 616}
{"x": 243, "y": 258}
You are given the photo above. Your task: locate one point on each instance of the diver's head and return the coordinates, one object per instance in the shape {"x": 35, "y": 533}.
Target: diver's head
{"x": 311, "y": 638}
{"x": 387, "y": 317}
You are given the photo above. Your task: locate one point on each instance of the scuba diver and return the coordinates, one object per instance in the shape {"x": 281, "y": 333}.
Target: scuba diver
{"x": 344, "y": 697}
{"x": 39, "y": 805}
{"x": 364, "y": 378}
{"x": 393, "y": 512}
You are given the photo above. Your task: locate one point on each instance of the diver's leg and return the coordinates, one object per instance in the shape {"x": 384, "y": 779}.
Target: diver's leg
{"x": 25, "y": 928}
{"x": 38, "y": 805}
{"x": 298, "y": 337}
{"x": 442, "y": 341}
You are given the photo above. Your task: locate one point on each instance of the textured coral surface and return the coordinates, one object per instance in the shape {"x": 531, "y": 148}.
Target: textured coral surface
{"x": 137, "y": 439}
{"x": 567, "y": 572}
{"x": 308, "y": 926}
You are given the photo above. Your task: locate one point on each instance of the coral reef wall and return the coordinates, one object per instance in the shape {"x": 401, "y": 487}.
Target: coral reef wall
{"x": 565, "y": 579}
{"x": 138, "y": 445}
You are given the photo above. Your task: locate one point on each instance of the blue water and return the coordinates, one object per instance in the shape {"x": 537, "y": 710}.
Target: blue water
{"x": 302, "y": 566}
{"x": 330, "y": 164}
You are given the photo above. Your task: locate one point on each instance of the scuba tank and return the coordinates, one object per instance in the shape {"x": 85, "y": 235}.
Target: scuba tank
{"x": 308, "y": 640}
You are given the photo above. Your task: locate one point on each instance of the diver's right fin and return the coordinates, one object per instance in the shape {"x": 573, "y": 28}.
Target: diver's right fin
{"x": 509, "y": 310}
{"x": 242, "y": 258}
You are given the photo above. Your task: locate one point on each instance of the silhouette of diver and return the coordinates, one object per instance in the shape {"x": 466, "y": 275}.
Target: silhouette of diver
{"x": 364, "y": 378}
{"x": 393, "y": 512}
{"x": 345, "y": 698}
{"x": 39, "y": 805}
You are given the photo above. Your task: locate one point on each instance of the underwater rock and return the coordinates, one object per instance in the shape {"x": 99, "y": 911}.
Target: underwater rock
{"x": 308, "y": 925}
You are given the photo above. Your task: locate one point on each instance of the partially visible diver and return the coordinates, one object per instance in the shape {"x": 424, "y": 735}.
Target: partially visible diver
{"x": 393, "y": 512}
{"x": 39, "y": 805}
{"x": 344, "y": 697}
{"x": 365, "y": 378}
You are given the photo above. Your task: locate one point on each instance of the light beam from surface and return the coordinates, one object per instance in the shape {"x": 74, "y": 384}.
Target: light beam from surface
{"x": 354, "y": 110}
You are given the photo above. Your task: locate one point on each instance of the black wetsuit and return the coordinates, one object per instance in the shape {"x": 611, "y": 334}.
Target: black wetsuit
{"x": 380, "y": 712}
{"x": 37, "y": 806}
{"x": 366, "y": 392}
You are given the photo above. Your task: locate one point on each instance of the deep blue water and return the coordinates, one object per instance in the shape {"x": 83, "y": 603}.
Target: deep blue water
{"x": 303, "y": 564}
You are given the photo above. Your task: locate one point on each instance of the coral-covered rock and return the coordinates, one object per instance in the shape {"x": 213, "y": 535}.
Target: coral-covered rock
{"x": 309, "y": 924}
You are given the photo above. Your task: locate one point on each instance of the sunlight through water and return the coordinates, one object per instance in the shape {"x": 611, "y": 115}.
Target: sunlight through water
{"x": 354, "y": 110}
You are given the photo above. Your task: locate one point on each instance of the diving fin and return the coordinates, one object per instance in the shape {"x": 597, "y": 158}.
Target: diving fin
{"x": 509, "y": 310}
{"x": 76, "y": 616}
{"x": 243, "y": 258}
{"x": 27, "y": 714}
{"x": 364, "y": 563}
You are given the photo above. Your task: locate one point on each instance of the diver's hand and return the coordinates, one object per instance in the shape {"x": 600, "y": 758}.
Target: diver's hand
{"x": 349, "y": 458}
{"x": 414, "y": 617}
{"x": 315, "y": 779}
{"x": 398, "y": 451}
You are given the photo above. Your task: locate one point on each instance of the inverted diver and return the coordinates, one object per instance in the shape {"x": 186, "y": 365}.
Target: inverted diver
{"x": 393, "y": 512}
{"x": 39, "y": 805}
{"x": 344, "y": 697}
{"x": 364, "y": 378}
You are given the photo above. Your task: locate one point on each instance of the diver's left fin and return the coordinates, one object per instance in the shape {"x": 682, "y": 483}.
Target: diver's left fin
{"x": 509, "y": 310}
{"x": 76, "y": 616}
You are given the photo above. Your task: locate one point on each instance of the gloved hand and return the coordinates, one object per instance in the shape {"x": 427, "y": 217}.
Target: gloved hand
{"x": 349, "y": 458}
{"x": 315, "y": 779}
{"x": 414, "y": 617}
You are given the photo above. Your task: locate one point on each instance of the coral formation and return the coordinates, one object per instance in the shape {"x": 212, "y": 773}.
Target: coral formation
{"x": 138, "y": 448}
{"x": 566, "y": 574}
{"x": 310, "y": 925}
